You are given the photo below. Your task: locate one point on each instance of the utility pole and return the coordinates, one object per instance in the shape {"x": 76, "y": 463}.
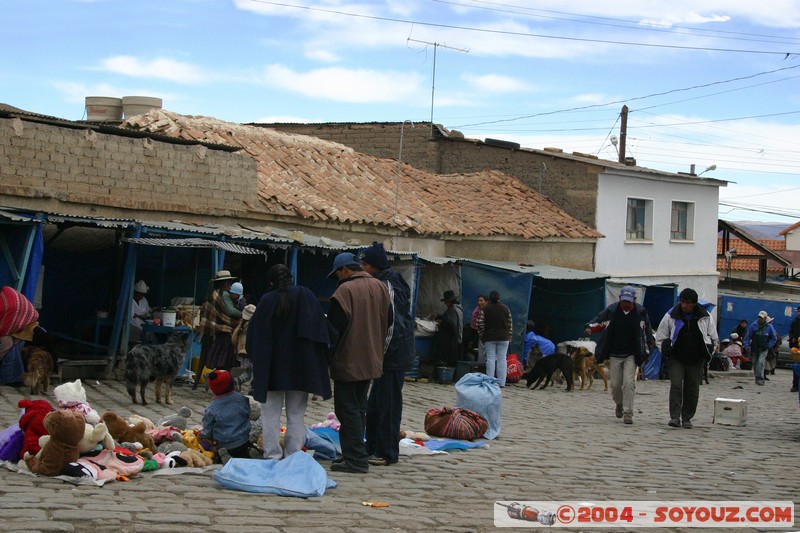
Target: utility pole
{"x": 433, "y": 77}
{"x": 623, "y": 133}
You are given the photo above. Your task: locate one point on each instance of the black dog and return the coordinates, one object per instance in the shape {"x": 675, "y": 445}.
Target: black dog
{"x": 546, "y": 367}
{"x": 160, "y": 361}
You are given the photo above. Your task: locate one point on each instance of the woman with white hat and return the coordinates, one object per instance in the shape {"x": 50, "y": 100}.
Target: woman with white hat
{"x": 218, "y": 318}
{"x": 140, "y": 310}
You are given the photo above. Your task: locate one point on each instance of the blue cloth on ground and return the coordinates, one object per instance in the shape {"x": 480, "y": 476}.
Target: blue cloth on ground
{"x": 324, "y": 441}
{"x": 11, "y": 443}
{"x": 652, "y": 368}
{"x": 450, "y": 444}
{"x": 298, "y": 475}
{"x": 480, "y": 393}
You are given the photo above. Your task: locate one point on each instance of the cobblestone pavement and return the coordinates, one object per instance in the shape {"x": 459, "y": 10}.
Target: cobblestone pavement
{"x": 554, "y": 446}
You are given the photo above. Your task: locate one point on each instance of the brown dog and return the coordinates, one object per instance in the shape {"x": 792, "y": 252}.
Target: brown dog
{"x": 39, "y": 365}
{"x": 585, "y": 365}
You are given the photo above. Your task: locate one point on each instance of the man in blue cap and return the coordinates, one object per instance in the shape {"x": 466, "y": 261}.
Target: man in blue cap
{"x": 360, "y": 310}
{"x": 626, "y": 333}
{"x": 385, "y": 402}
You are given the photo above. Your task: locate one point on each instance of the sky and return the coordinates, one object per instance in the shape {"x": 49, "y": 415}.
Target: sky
{"x": 709, "y": 83}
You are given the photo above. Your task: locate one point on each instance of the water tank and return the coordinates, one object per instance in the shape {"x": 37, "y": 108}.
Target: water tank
{"x": 103, "y": 109}
{"x": 139, "y": 105}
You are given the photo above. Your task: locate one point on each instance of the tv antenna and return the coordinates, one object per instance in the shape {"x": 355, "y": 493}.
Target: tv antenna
{"x": 433, "y": 77}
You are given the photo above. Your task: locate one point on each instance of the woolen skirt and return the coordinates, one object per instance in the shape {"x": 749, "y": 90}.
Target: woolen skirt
{"x": 221, "y": 353}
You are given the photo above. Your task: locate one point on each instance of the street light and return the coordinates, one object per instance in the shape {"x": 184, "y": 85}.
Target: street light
{"x": 712, "y": 167}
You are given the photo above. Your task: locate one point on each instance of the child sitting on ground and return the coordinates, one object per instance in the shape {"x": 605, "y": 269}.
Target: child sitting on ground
{"x": 226, "y": 420}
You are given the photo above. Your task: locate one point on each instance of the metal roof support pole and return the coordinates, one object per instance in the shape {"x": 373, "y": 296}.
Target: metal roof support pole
{"x": 293, "y": 261}
{"x": 26, "y": 256}
{"x": 121, "y": 321}
{"x": 12, "y": 265}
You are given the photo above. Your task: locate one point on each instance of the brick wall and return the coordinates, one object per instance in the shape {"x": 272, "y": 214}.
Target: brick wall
{"x": 83, "y": 166}
{"x": 570, "y": 183}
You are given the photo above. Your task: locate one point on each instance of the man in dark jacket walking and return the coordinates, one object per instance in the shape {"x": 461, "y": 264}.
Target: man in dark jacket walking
{"x": 626, "y": 334}
{"x": 360, "y": 311}
{"x": 385, "y": 402}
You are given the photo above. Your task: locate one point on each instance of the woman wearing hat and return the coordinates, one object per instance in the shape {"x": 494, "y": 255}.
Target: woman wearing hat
{"x": 140, "y": 310}
{"x": 446, "y": 344}
{"x": 218, "y": 318}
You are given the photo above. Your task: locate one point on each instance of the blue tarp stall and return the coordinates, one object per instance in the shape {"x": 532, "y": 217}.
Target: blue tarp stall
{"x": 735, "y": 308}
{"x": 563, "y": 300}
{"x": 21, "y": 244}
{"x": 657, "y": 298}
{"x": 514, "y": 286}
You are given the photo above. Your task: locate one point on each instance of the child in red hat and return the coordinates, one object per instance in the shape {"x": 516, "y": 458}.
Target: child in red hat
{"x": 227, "y": 418}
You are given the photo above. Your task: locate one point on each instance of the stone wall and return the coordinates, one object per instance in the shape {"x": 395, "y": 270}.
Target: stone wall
{"x": 570, "y": 183}
{"x": 82, "y": 166}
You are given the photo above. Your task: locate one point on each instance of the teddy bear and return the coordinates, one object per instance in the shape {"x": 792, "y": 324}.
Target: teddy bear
{"x": 30, "y": 422}
{"x": 177, "y": 420}
{"x": 193, "y": 443}
{"x": 135, "y": 419}
{"x": 123, "y": 432}
{"x": 195, "y": 458}
{"x": 92, "y": 436}
{"x": 66, "y": 430}
{"x": 72, "y": 396}
{"x": 414, "y": 435}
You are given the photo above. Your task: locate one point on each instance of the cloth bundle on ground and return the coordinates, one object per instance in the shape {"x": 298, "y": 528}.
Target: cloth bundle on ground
{"x": 458, "y": 423}
{"x": 324, "y": 441}
{"x": 11, "y": 443}
{"x": 72, "y": 396}
{"x": 481, "y": 394}
{"x": 16, "y": 312}
{"x": 298, "y": 475}
{"x": 66, "y": 431}
{"x": 123, "y": 432}
{"x": 31, "y": 421}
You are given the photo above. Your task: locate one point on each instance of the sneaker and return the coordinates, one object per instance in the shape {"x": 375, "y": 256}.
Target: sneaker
{"x": 223, "y": 454}
{"x": 674, "y": 423}
{"x": 628, "y": 419}
{"x": 687, "y": 424}
{"x": 346, "y": 468}
{"x": 618, "y": 412}
{"x": 378, "y": 461}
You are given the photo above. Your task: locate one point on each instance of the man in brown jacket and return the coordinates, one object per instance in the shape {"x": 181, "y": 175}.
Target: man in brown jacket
{"x": 360, "y": 310}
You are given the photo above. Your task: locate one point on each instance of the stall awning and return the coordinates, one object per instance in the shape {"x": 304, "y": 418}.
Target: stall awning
{"x": 195, "y": 243}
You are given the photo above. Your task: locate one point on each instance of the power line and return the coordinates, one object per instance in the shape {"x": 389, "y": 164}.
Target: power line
{"x": 524, "y": 34}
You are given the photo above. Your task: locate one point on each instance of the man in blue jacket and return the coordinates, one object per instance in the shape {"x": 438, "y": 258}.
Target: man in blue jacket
{"x": 626, "y": 335}
{"x": 761, "y": 336}
{"x": 385, "y": 402}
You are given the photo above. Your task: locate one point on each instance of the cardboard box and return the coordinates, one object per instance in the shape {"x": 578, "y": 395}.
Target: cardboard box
{"x": 730, "y": 412}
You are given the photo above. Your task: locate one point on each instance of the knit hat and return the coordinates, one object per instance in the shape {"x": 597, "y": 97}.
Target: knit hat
{"x": 247, "y": 312}
{"x": 375, "y": 255}
{"x": 236, "y": 288}
{"x": 220, "y": 381}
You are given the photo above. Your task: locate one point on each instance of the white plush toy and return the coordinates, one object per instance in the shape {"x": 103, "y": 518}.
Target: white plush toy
{"x": 71, "y": 396}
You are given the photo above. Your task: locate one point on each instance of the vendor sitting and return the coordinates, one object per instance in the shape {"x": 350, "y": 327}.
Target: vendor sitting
{"x": 735, "y": 352}
{"x": 140, "y": 310}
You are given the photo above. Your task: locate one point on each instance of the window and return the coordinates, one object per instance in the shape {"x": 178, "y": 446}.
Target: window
{"x": 681, "y": 221}
{"x": 639, "y": 223}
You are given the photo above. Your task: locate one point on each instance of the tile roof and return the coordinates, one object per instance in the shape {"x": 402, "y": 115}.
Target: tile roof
{"x": 749, "y": 265}
{"x": 329, "y": 182}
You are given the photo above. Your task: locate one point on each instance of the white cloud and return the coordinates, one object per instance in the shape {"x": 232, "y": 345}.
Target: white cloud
{"x": 346, "y": 85}
{"x": 496, "y": 83}
{"x": 159, "y": 68}
{"x": 319, "y": 54}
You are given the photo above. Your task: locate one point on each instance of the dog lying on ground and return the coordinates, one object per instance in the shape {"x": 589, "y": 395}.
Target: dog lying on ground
{"x": 39, "y": 365}
{"x": 544, "y": 369}
{"x": 584, "y": 365}
{"x": 159, "y": 361}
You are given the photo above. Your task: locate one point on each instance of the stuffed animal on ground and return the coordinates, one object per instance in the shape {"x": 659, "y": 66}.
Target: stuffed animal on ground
{"x": 178, "y": 420}
{"x": 415, "y": 435}
{"x": 66, "y": 431}
{"x": 167, "y": 447}
{"x": 31, "y": 423}
{"x": 330, "y": 422}
{"x": 123, "y": 432}
{"x": 72, "y": 396}
{"x": 135, "y": 419}
{"x": 92, "y": 437}
{"x": 195, "y": 458}
{"x": 193, "y": 443}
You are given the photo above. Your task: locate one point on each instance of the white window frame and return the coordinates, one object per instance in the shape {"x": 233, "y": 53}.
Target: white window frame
{"x": 689, "y": 231}
{"x": 647, "y": 230}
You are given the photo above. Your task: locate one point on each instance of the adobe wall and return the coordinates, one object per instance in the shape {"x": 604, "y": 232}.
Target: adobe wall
{"x": 570, "y": 183}
{"x": 53, "y": 165}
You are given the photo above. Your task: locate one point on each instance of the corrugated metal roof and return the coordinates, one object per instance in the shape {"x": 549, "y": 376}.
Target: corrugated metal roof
{"x": 194, "y": 242}
{"x": 8, "y": 215}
